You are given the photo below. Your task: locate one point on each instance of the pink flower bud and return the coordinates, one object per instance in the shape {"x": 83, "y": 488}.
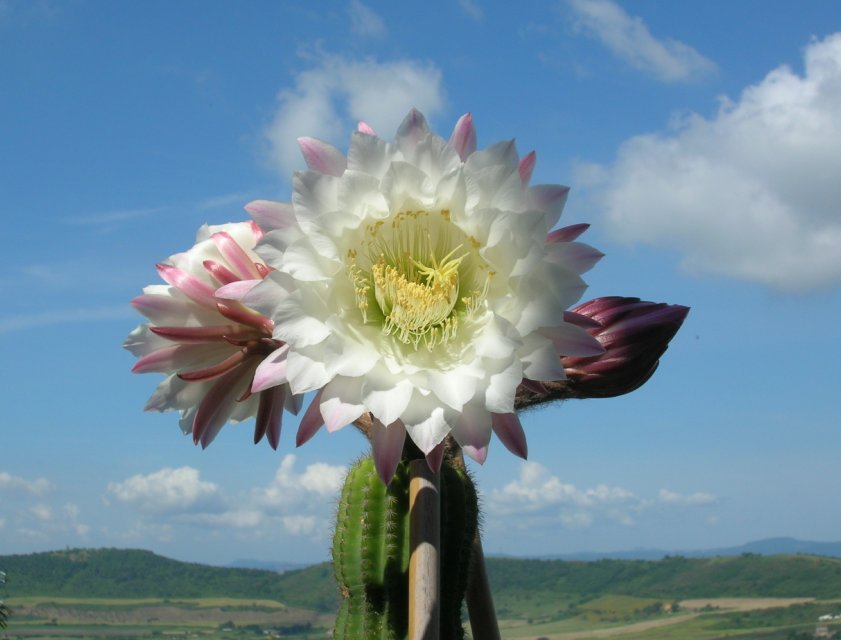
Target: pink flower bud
{"x": 634, "y": 334}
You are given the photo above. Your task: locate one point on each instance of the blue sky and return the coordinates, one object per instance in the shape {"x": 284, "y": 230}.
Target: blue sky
{"x": 701, "y": 141}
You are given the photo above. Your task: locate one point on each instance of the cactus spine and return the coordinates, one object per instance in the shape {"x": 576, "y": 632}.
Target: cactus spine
{"x": 371, "y": 552}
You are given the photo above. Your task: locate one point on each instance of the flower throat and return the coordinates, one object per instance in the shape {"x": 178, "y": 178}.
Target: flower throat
{"x": 416, "y": 277}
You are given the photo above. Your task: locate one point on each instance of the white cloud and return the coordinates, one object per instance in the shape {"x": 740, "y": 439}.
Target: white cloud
{"x": 236, "y": 518}
{"x": 537, "y": 489}
{"x": 629, "y": 38}
{"x": 537, "y": 499}
{"x": 38, "y": 486}
{"x": 685, "y": 500}
{"x": 752, "y": 193}
{"x": 299, "y": 525}
{"x": 328, "y": 100}
{"x": 472, "y": 9}
{"x": 318, "y": 482}
{"x": 166, "y": 490}
{"x": 42, "y": 512}
{"x": 298, "y": 503}
{"x": 364, "y": 21}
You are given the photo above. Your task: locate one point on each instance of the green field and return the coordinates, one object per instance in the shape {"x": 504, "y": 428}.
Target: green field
{"x": 51, "y": 617}
{"x": 127, "y": 594}
{"x": 609, "y": 616}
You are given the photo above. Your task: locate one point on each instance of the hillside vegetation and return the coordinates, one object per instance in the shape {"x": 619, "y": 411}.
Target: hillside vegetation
{"x": 677, "y": 577}
{"x": 131, "y": 573}
{"x": 121, "y": 573}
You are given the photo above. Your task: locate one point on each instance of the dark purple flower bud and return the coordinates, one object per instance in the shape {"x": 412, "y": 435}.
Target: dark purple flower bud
{"x": 634, "y": 334}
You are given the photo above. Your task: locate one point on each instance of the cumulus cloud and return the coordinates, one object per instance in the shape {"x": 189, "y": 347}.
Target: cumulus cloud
{"x": 536, "y": 489}
{"x": 537, "y": 498}
{"x": 317, "y": 482}
{"x": 297, "y": 502}
{"x": 9, "y": 482}
{"x": 166, "y": 490}
{"x": 364, "y": 21}
{"x": 328, "y": 99}
{"x": 629, "y": 39}
{"x": 751, "y": 193}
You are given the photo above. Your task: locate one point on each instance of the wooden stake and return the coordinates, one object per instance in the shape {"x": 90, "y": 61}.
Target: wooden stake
{"x": 480, "y": 604}
{"x": 425, "y": 561}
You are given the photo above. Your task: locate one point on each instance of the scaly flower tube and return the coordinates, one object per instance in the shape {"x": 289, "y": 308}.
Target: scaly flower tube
{"x": 415, "y": 287}
{"x": 210, "y": 345}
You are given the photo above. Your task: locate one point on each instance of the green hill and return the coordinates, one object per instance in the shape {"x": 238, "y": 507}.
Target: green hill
{"x": 673, "y": 577}
{"x": 123, "y": 573}
{"x": 132, "y": 573}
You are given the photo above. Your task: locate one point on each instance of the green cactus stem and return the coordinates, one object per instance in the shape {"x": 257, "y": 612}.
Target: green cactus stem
{"x": 371, "y": 552}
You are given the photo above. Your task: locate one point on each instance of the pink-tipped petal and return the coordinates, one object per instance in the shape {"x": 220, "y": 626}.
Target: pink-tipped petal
{"x": 269, "y": 415}
{"x": 387, "y": 444}
{"x": 550, "y": 198}
{"x": 311, "y": 422}
{"x": 567, "y": 234}
{"x": 526, "y": 167}
{"x": 473, "y": 431}
{"x": 435, "y": 457}
{"x": 270, "y": 215}
{"x": 236, "y": 290}
{"x": 209, "y": 373}
{"x": 216, "y": 407}
{"x": 236, "y": 256}
{"x": 463, "y": 138}
{"x": 189, "y": 285}
{"x": 479, "y": 454}
{"x": 367, "y": 129}
{"x": 411, "y": 131}
{"x": 508, "y": 429}
{"x": 181, "y": 356}
{"x": 294, "y": 403}
{"x": 220, "y": 272}
{"x": 322, "y": 157}
{"x": 571, "y": 340}
{"x": 580, "y": 320}
{"x": 160, "y": 308}
{"x": 159, "y": 360}
{"x": 576, "y": 256}
{"x": 271, "y": 371}
{"x": 199, "y": 334}
{"x": 240, "y": 313}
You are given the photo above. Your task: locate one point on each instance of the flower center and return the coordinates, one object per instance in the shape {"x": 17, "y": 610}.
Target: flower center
{"x": 416, "y": 275}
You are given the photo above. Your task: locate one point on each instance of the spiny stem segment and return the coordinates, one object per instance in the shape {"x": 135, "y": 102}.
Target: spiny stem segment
{"x": 371, "y": 552}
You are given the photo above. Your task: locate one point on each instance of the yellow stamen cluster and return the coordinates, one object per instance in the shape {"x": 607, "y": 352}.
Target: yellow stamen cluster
{"x": 415, "y": 290}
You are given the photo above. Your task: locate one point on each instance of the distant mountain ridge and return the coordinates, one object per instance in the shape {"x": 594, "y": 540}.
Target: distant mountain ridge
{"x": 765, "y": 547}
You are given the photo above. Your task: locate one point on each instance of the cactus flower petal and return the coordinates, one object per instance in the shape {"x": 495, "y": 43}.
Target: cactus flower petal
{"x": 508, "y": 429}
{"x": 387, "y": 444}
